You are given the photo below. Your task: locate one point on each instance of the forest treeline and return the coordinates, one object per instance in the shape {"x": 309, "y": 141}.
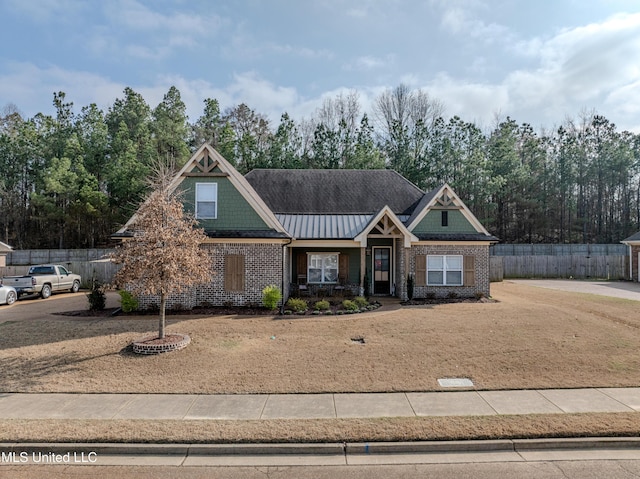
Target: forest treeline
{"x": 69, "y": 180}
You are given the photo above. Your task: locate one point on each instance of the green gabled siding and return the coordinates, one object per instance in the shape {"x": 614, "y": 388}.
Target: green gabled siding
{"x": 432, "y": 223}
{"x": 234, "y": 212}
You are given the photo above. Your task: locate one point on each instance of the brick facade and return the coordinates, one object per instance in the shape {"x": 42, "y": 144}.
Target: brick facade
{"x": 481, "y": 286}
{"x": 401, "y": 269}
{"x": 263, "y": 266}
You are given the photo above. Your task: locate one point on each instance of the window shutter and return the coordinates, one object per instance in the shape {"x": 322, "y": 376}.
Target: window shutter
{"x": 343, "y": 268}
{"x": 301, "y": 269}
{"x": 234, "y": 272}
{"x": 421, "y": 270}
{"x": 469, "y": 270}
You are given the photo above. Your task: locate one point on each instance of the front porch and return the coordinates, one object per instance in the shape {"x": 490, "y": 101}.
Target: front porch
{"x": 375, "y": 270}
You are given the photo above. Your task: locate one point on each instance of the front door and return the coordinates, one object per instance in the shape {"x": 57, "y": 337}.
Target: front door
{"x": 382, "y": 270}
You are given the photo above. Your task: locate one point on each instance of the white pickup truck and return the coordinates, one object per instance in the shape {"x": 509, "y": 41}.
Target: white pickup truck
{"x": 43, "y": 280}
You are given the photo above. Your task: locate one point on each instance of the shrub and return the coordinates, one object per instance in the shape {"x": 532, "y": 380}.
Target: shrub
{"x": 297, "y": 305}
{"x": 97, "y": 297}
{"x": 322, "y": 305}
{"x": 128, "y": 302}
{"x": 361, "y": 301}
{"x": 452, "y": 295}
{"x": 349, "y": 305}
{"x": 271, "y": 295}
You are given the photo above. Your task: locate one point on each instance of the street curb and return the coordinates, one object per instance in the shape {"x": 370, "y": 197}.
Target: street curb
{"x": 493, "y": 445}
{"x": 328, "y": 449}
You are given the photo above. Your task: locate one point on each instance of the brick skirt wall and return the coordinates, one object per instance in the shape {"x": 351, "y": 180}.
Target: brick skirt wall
{"x": 481, "y": 254}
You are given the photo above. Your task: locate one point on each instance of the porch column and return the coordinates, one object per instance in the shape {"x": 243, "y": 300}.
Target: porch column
{"x": 406, "y": 271}
{"x": 363, "y": 268}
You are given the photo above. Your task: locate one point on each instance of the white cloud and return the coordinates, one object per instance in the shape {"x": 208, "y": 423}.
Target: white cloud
{"x": 475, "y": 102}
{"x": 369, "y": 62}
{"x": 460, "y": 21}
{"x": 580, "y": 67}
{"x": 246, "y": 46}
{"x": 162, "y": 32}
{"x": 31, "y": 88}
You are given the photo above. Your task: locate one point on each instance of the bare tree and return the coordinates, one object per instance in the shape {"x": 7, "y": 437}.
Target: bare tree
{"x": 163, "y": 256}
{"x": 403, "y": 108}
{"x": 344, "y": 108}
{"x": 405, "y": 118}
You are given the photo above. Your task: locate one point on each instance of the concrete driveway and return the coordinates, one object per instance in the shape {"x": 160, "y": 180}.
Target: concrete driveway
{"x": 34, "y": 307}
{"x": 615, "y": 289}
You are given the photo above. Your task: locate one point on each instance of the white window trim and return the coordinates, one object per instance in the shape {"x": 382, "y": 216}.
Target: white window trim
{"x": 215, "y": 213}
{"x": 324, "y": 255}
{"x": 445, "y": 269}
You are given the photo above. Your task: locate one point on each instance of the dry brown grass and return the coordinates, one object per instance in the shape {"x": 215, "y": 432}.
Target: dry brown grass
{"x": 321, "y": 430}
{"x": 530, "y": 338}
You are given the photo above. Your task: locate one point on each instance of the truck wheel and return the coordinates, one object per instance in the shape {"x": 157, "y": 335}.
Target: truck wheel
{"x": 11, "y": 297}
{"x": 76, "y": 287}
{"x": 46, "y": 291}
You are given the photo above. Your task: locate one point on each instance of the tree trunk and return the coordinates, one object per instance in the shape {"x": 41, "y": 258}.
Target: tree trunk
{"x": 163, "y": 304}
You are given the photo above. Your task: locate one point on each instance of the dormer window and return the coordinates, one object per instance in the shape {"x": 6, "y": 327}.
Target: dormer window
{"x": 206, "y": 201}
{"x": 445, "y": 218}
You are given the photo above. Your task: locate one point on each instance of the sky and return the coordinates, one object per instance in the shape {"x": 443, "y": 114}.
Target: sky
{"x": 538, "y": 62}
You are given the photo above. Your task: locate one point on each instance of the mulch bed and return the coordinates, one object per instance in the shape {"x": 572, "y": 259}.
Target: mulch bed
{"x": 198, "y": 311}
{"x": 258, "y": 311}
{"x": 424, "y": 301}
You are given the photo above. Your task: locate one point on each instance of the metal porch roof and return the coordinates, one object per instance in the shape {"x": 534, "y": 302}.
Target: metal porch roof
{"x": 324, "y": 226}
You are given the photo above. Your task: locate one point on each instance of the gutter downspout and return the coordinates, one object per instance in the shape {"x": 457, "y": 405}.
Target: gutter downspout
{"x": 284, "y": 245}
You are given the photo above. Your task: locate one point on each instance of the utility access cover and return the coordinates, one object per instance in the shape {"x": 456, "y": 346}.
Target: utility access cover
{"x": 455, "y": 382}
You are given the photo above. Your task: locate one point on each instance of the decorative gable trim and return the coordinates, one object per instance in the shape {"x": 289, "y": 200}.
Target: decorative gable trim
{"x": 446, "y": 199}
{"x": 203, "y": 163}
{"x": 207, "y": 162}
{"x": 386, "y": 225}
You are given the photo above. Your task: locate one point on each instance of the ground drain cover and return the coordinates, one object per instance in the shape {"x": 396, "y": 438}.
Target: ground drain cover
{"x": 455, "y": 382}
{"x": 358, "y": 340}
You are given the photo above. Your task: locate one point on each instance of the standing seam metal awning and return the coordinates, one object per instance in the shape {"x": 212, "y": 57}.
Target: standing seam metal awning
{"x": 324, "y": 226}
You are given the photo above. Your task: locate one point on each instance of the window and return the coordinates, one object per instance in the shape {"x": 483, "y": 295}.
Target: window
{"x": 322, "y": 268}
{"x": 445, "y": 218}
{"x": 206, "y": 201}
{"x": 444, "y": 270}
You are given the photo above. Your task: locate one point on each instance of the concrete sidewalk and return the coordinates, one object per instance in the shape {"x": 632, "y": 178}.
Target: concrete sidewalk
{"x": 316, "y": 406}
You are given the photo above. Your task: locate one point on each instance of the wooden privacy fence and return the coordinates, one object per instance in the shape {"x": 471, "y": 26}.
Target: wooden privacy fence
{"x": 55, "y": 256}
{"x": 496, "y": 269}
{"x": 614, "y": 267}
{"x": 100, "y": 270}
{"x": 549, "y": 249}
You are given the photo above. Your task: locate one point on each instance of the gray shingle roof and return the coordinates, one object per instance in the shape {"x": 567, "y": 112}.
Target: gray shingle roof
{"x": 334, "y": 191}
{"x": 633, "y": 237}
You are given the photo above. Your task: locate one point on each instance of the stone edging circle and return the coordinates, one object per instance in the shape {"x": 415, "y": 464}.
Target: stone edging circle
{"x": 154, "y": 345}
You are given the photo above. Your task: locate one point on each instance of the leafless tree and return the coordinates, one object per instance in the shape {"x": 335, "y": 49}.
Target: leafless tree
{"x": 163, "y": 256}
{"x": 402, "y": 109}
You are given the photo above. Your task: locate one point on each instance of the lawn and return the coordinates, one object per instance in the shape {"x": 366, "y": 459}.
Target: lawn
{"x": 529, "y": 338}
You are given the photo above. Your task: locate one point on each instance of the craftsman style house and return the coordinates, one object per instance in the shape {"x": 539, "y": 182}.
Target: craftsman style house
{"x": 329, "y": 232}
